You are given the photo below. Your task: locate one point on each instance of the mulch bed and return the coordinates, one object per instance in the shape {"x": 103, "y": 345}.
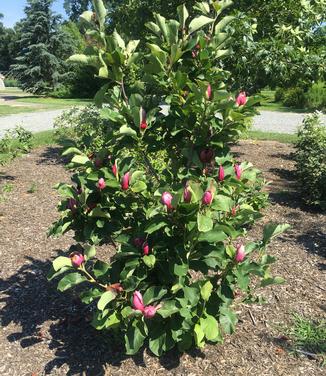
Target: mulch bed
{"x": 44, "y": 332}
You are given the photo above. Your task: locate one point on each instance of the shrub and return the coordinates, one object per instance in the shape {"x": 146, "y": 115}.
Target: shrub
{"x": 180, "y": 261}
{"x": 310, "y": 159}
{"x": 294, "y": 97}
{"x": 14, "y": 143}
{"x": 11, "y": 82}
{"x": 316, "y": 96}
{"x": 279, "y": 94}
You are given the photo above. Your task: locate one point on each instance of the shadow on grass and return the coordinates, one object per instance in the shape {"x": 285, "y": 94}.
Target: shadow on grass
{"x": 62, "y": 323}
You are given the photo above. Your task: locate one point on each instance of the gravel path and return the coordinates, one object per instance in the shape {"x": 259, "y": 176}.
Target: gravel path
{"x": 268, "y": 121}
{"x": 35, "y": 121}
{"x": 280, "y": 122}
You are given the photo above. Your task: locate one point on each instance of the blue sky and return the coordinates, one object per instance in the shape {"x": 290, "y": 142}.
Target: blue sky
{"x": 13, "y": 10}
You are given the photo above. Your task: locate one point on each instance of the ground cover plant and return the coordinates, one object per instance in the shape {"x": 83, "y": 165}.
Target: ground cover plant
{"x": 181, "y": 262}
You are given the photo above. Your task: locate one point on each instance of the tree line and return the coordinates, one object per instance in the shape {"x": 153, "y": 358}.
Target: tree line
{"x": 275, "y": 42}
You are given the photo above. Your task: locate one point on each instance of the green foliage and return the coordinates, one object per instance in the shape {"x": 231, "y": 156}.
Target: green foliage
{"x": 43, "y": 47}
{"x": 316, "y": 96}
{"x": 310, "y": 159}
{"x": 14, "y": 143}
{"x": 307, "y": 334}
{"x": 279, "y": 94}
{"x": 11, "y": 82}
{"x": 176, "y": 228}
{"x": 294, "y": 97}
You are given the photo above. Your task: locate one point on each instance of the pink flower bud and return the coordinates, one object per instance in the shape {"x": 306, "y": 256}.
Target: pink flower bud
{"x": 240, "y": 253}
{"x": 166, "y": 199}
{"x": 209, "y": 92}
{"x": 115, "y": 169}
{"x": 150, "y": 311}
{"x": 194, "y": 54}
{"x": 206, "y": 155}
{"x": 125, "y": 181}
{"x": 238, "y": 171}
{"x": 72, "y": 204}
{"x": 207, "y": 198}
{"x": 76, "y": 259}
{"x": 241, "y": 99}
{"x": 146, "y": 248}
{"x": 79, "y": 190}
{"x": 233, "y": 211}
{"x": 137, "y": 301}
{"x": 187, "y": 195}
{"x": 138, "y": 242}
{"x": 221, "y": 173}
{"x": 101, "y": 184}
{"x": 143, "y": 123}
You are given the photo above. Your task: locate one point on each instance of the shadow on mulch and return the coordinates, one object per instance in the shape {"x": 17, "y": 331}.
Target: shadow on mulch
{"x": 61, "y": 322}
{"x": 52, "y": 156}
{"x": 5, "y": 177}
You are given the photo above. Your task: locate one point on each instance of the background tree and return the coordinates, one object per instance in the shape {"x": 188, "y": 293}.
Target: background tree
{"x": 74, "y": 8}
{"x": 43, "y": 47}
{"x": 7, "y": 37}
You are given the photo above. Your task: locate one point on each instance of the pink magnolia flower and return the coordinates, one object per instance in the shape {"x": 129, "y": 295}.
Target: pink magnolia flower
{"x": 206, "y": 155}
{"x": 209, "y": 92}
{"x": 166, "y": 199}
{"x": 125, "y": 181}
{"x": 101, "y": 184}
{"x": 238, "y": 171}
{"x": 76, "y": 259}
{"x": 240, "y": 253}
{"x": 221, "y": 173}
{"x": 241, "y": 99}
{"x": 150, "y": 311}
{"x": 207, "y": 198}
{"x": 137, "y": 301}
{"x": 187, "y": 195}
{"x": 115, "y": 169}
{"x": 146, "y": 248}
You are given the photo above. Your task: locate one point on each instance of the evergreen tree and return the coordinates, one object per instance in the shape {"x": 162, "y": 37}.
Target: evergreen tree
{"x": 74, "y": 8}
{"x": 40, "y": 65}
{"x": 7, "y": 35}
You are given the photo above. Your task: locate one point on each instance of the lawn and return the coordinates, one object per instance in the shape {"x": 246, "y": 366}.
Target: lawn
{"x": 268, "y": 103}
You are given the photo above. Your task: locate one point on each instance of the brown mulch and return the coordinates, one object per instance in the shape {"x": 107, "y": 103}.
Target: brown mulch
{"x": 45, "y": 332}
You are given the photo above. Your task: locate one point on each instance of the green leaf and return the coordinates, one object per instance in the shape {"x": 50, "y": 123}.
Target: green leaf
{"x": 271, "y": 230}
{"x": 183, "y": 15}
{"x": 204, "y": 223}
{"x": 99, "y": 96}
{"x": 223, "y": 203}
{"x": 125, "y": 130}
{"x": 272, "y": 281}
{"x": 155, "y": 226}
{"x": 86, "y": 16}
{"x": 135, "y": 337}
{"x": 180, "y": 270}
{"x": 90, "y": 251}
{"x": 61, "y": 262}
{"x": 105, "y": 299}
{"x": 223, "y": 23}
{"x": 153, "y": 294}
{"x": 112, "y": 321}
{"x": 210, "y": 328}
{"x": 70, "y": 280}
{"x": 72, "y": 150}
{"x": 228, "y": 319}
{"x": 212, "y": 236}
{"x": 161, "y": 24}
{"x": 80, "y": 159}
{"x": 199, "y": 22}
{"x": 206, "y": 290}
{"x": 199, "y": 335}
{"x": 149, "y": 260}
{"x": 168, "y": 309}
{"x": 139, "y": 186}
{"x": 160, "y": 340}
{"x": 100, "y": 11}
{"x": 191, "y": 294}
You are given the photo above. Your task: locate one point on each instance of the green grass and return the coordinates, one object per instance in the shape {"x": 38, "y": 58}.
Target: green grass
{"x": 308, "y": 335}
{"x": 285, "y": 138}
{"x": 268, "y": 103}
{"x": 11, "y": 110}
{"x": 44, "y": 138}
{"x": 49, "y": 101}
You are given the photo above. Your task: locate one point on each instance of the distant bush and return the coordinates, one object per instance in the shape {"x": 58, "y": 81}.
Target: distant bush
{"x": 294, "y": 97}
{"x": 11, "y": 82}
{"x": 310, "y": 157}
{"x": 279, "y": 94}
{"x": 14, "y": 143}
{"x": 316, "y": 96}
{"x": 84, "y": 126}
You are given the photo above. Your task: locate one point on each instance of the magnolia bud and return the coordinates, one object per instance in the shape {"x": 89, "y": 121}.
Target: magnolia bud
{"x": 241, "y": 99}
{"x": 138, "y": 242}
{"x": 187, "y": 195}
{"x": 221, "y": 173}
{"x": 137, "y": 301}
{"x": 150, "y": 311}
{"x": 240, "y": 253}
{"x": 101, "y": 184}
{"x": 238, "y": 171}
{"x": 206, "y": 155}
{"x": 208, "y": 92}
{"x": 166, "y": 199}
{"x": 125, "y": 181}
{"x": 146, "y": 248}
{"x": 76, "y": 259}
{"x": 115, "y": 169}
{"x": 207, "y": 198}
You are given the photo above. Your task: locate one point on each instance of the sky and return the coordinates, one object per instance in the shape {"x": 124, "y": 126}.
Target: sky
{"x": 13, "y": 10}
